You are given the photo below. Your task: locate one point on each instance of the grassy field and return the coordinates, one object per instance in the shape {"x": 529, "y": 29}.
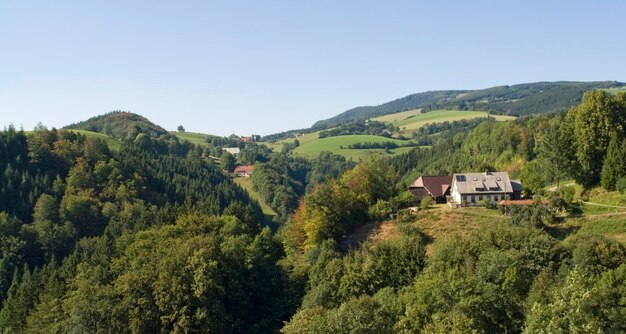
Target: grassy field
{"x": 311, "y": 145}
{"x": 307, "y": 138}
{"x": 312, "y": 149}
{"x": 246, "y": 184}
{"x": 398, "y": 116}
{"x": 193, "y": 137}
{"x": 616, "y": 90}
{"x": 113, "y": 143}
{"x": 416, "y": 121}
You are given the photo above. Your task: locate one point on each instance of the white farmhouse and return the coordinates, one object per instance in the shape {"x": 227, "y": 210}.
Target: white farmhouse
{"x": 472, "y": 188}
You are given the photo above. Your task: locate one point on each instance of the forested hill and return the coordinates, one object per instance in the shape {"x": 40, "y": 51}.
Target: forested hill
{"x": 517, "y": 100}
{"x": 120, "y": 125}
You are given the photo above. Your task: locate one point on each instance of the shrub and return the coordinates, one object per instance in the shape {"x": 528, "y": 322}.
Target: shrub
{"x": 621, "y": 185}
{"x": 380, "y": 211}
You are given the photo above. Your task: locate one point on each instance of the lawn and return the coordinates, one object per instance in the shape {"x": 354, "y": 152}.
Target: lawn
{"x": 113, "y": 143}
{"x": 193, "y": 137}
{"x": 391, "y": 118}
{"x": 312, "y": 149}
{"x": 246, "y": 184}
{"x": 306, "y": 138}
{"x": 616, "y": 90}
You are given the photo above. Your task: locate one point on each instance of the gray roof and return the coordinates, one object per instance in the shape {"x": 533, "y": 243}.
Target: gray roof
{"x": 486, "y": 182}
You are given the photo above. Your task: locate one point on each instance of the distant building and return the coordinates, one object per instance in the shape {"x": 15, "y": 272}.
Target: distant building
{"x": 232, "y": 150}
{"x": 246, "y": 139}
{"x": 472, "y": 188}
{"x": 244, "y": 171}
{"x": 435, "y": 187}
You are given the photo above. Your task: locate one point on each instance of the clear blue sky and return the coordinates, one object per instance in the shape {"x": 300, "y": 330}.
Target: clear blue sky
{"x": 244, "y": 67}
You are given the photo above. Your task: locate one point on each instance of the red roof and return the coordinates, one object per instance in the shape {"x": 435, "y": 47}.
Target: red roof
{"x": 436, "y": 185}
{"x": 244, "y": 169}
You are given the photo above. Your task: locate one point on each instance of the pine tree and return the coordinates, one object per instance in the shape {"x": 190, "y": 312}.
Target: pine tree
{"x": 614, "y": 162}
{"x": 11, "y": 306}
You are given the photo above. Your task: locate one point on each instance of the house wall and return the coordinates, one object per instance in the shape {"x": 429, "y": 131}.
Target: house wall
{"x": 474, "y": 199}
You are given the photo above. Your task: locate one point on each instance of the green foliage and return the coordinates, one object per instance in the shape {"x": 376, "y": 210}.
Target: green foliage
{"x": 536, "y": 215}
{"x": 620, "y": 185}
{"x": 582, "y": 304}
{"x": 380, "y": 211}
{"x": 281, "y": 182}
{"x": 483, "y": 279}
{"x": 426, "y": 202}
{"x": 228, "y": 161}
{"x": 359, "y": 127}
{"x": 202, "y": 274}
{"x": 596, "y": 254}
{"x": 594, "y": 120}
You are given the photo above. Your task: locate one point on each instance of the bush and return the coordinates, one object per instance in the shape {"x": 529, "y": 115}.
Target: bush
{"x": 620, "y": 185}
{"x": 488, "y": 204}
{"x": 404, "y": 200}
{"x": 426, "y": 202}
{"x": 380, "y": 211}
{"x": 567, "y": 193}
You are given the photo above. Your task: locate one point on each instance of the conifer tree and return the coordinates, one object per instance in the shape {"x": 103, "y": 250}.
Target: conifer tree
{"x": 614, "y": 162}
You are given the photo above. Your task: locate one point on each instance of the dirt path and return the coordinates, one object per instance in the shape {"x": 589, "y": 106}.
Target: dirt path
{"x": 604, "y": 205}
{"x": 553, "y": 189}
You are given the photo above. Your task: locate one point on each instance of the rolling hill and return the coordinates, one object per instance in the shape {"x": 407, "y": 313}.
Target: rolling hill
{"x": 516, "y": 100}
{"x": 412, "y": 120}
{"x": 119, "y": 125}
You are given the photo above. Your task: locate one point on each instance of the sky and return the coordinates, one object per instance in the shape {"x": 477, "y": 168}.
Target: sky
{"x": 261, "y": 67}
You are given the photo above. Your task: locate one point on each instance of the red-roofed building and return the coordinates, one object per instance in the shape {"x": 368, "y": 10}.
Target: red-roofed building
{"x": 244, "y": 171}
{"x": 436, "y": 187}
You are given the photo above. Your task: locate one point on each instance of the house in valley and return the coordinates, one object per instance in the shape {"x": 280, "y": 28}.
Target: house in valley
{"x": 245, "y": 171}
{"x": 232, "y": 150}
{"x": 472, "y": 188}
{"x": 435, "y": 187}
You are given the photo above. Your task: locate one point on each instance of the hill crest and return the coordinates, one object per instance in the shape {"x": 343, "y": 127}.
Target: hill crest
{"x": 119, "y": 125}
{"x": 516, "y": 100}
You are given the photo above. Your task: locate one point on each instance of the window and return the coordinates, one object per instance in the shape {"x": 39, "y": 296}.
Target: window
{"x": 480, "y": 198}
{"x": 473, "y": 199}
{"x": 460, "y": 178}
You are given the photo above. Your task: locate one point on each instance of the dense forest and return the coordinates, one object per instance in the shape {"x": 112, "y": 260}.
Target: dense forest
{"x": 155, "y": 237}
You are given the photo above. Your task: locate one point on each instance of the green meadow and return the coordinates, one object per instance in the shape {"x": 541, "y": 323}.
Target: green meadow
{"x": 415, "y": 120}
{"x": 339, "y": 144}
{"x": 193, "y": 137}
{"x": 616, "y": 90}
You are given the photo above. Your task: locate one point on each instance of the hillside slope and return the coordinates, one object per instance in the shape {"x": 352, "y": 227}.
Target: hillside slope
{"x": 516, "y": 100}
{"x": 119, "y": 125}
